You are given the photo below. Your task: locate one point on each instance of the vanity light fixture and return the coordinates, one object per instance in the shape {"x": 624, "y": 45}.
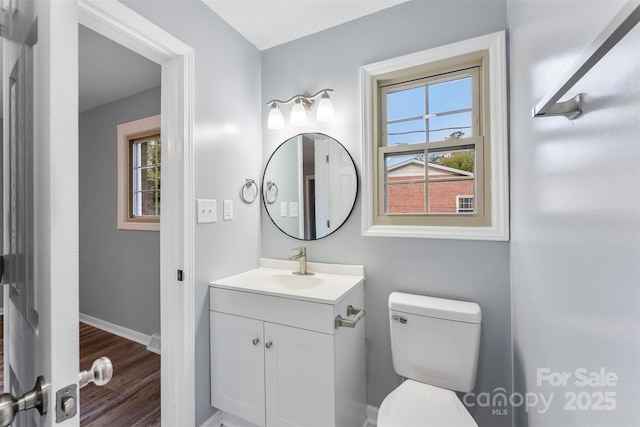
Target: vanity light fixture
{"x": 302, "y": 104}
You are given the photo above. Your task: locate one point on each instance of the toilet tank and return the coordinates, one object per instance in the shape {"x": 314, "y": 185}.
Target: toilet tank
{"x": 434, "y": 340}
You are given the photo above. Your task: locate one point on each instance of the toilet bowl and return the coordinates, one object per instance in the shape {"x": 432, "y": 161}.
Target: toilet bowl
{"x": 434, "y": 345}
{"x": 415, "y": 404}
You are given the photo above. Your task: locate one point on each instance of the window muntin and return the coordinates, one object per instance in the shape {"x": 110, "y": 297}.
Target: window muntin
{"x": 145, "y": 155}
{"x": 431, "y": 148}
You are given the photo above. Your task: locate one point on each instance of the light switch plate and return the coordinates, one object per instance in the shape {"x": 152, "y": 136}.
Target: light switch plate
{"x": 227, "y": 214}
{"x": 293, "y": 209}
{"x": 207, "y": 210}
{"x": 283, "y": 208}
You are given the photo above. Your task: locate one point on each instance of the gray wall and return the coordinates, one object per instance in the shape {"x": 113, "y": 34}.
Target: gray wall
{"x": 228, "y": 146}
{"x": 575, "y": 200}
{"x": 119, "y": 269}
{"x": 466, "y": 270}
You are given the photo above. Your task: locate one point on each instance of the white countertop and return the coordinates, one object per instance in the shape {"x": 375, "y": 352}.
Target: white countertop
{"x": 329, "y": 284}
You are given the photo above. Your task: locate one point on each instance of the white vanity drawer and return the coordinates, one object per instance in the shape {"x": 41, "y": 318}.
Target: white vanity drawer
{"x": 308, "y": 315}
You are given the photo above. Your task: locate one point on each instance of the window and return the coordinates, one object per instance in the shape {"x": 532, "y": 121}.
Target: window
{"x": 139, "y": 174}
{"x": 435, "y": 149}
{"x": 429, "y": 138}
{"x": 464, "y": 204}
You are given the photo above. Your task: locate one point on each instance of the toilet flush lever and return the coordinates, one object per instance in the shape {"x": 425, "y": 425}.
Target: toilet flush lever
{"x": 399, "y": 319}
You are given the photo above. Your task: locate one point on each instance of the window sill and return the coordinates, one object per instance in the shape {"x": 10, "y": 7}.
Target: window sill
{"x": 139, "y": 225}
{"x": 438, "y": 232}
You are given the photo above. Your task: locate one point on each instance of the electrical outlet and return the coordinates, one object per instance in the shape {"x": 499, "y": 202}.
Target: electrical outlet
{"x": 283, "y": 208}
{"x": 207, "y": 211}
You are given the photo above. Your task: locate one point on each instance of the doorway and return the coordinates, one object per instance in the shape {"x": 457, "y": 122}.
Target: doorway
{"x": 119, "y": 268}
{"x": 120, "y": 24}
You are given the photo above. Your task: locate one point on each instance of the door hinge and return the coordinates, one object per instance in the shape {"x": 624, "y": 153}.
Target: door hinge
{"x": 327, "y": 158}
{"x": 328, "y": 224}
{"x": 180, "y": 279}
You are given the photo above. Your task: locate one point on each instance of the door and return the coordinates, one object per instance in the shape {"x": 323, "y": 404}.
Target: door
{"x": 300, "y": 377}
{"x": 237, "y": 366}
{"x": 40, "y": 201}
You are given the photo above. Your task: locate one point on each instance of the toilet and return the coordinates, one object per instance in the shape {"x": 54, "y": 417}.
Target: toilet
{"x": 434, "y": 345}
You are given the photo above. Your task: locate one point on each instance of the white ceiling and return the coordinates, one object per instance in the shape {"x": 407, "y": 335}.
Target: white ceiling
{"x": 108, "y": 71}
{"x": 269, "y": 23}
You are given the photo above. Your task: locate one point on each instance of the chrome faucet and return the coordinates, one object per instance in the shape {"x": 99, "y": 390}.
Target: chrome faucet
{"x": 302, "y": 257}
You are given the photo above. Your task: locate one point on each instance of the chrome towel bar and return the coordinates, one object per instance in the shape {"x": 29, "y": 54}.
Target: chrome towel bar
{"x": 340, "y": 321}
{"x": 621, "y": 24}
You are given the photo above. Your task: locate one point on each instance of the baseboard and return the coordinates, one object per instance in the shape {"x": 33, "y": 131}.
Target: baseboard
{"x": 214, "y": 421}
{"x": 372, "y": 416}
{"x": 152, "y": 342}
{"x": 222, "y": 419}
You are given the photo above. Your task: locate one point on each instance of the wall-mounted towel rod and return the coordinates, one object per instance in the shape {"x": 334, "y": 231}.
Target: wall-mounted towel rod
{"x": 619, "y": 26}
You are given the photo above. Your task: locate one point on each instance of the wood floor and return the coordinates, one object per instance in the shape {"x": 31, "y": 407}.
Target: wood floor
{"x": 132, "y": 397}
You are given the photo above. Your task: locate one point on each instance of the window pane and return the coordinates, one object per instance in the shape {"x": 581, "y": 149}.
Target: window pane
{"x": 404, "y": 183}
{"x": 148, "y": 203}
{"x": 450, "y": 126}
{"x": 450, "y": 96}
{"x": 406, "y": 103}
{"x": 451, "y": 177}
{"x": 409, "y": 132}
{"x": 146, "y": 176}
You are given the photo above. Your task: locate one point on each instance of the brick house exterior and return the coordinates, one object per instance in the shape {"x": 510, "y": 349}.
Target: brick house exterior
{"x": 446, "y": 186}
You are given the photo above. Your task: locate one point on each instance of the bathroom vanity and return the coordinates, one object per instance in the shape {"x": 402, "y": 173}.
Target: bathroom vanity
{"x": 289, "y": 349}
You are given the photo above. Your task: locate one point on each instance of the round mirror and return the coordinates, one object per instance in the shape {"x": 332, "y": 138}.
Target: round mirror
{"x": 309, "y": 186}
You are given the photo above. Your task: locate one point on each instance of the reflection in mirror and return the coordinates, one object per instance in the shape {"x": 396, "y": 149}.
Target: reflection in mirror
{"x": 309, "y": 186}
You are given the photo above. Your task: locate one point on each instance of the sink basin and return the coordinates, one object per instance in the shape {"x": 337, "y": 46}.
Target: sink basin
{"x": 291, "y": 281}
{"x": 329, "y": 284}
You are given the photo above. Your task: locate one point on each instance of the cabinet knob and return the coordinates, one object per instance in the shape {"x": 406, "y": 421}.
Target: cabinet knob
{"x": 268, "y": 344}
{"x": 255, "y": 341}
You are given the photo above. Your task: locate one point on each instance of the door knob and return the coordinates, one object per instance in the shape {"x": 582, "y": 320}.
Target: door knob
{"x": 100, "y": 373}
{"x": 36, "y": 398}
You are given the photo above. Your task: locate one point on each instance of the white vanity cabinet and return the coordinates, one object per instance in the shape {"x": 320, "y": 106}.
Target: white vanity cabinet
{"x": 277, "y": 358}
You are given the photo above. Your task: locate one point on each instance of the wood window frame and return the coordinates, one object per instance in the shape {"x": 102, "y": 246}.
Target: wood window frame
{"x": 126, "y": 133}
{"x": 490, "y": 51}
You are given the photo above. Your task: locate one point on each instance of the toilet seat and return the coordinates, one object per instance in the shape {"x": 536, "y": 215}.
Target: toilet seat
{"x": 418, "y": 404}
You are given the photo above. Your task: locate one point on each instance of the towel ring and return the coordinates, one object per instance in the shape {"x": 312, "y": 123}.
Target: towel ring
{"x": 249, "y": 183}
{"x": 270, "y": 190}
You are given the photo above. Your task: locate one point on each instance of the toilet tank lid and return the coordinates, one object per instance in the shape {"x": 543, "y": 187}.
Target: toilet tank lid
{"x": 459, "y": 311}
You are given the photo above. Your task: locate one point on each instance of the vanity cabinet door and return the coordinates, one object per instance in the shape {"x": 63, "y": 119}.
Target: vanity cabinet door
{"x": 299, "y": 376}
{"x": 237, "y": 366}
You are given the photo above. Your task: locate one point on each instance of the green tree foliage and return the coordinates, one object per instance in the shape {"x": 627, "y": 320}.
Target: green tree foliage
{"x": 462, "y": 160}
{"x": 457, "y": 134}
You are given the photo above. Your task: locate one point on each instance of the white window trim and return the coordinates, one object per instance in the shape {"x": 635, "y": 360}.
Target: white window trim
{"x": 125, "y": 131}
{"x": 495, "y": 44}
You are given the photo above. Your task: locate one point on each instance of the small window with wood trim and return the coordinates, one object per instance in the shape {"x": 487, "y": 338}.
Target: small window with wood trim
{"x": 139, "y": 174}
